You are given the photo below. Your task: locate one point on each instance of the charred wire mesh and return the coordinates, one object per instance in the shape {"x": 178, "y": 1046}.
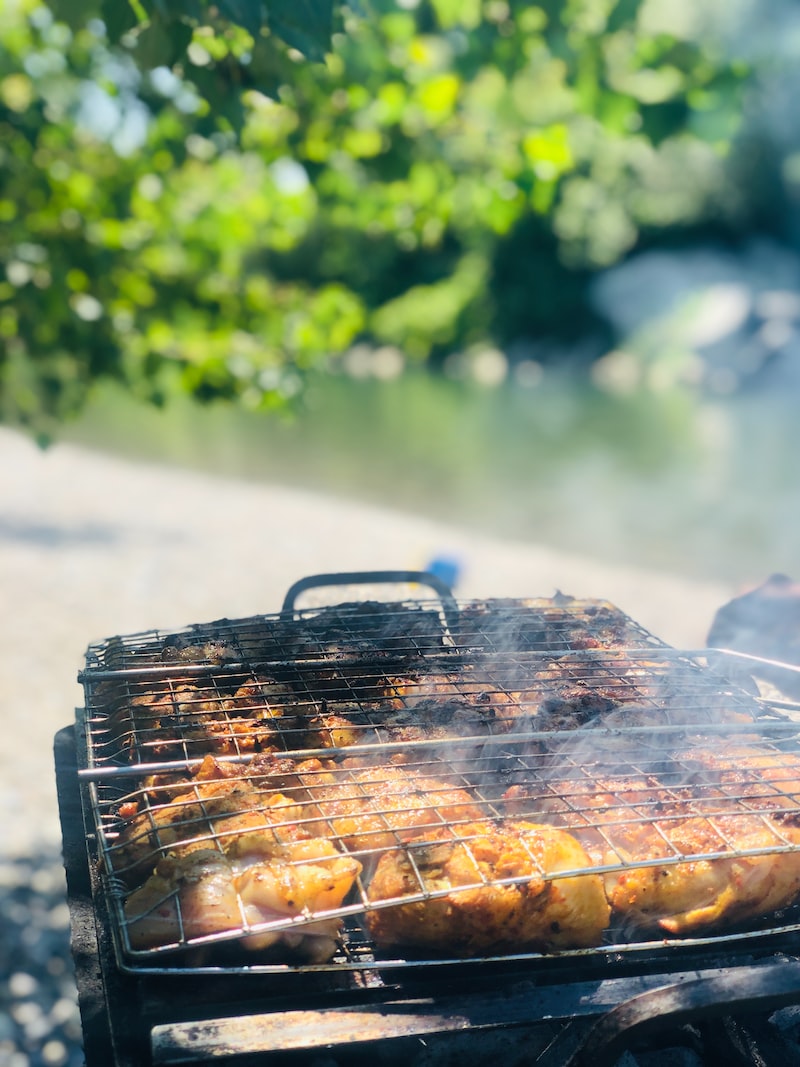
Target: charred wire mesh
{"x": 373, "y": 780}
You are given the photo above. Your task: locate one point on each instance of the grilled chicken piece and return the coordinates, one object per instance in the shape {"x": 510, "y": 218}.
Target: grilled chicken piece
{"x": 639, "y": 820}
{"x": 378, "y": 807}
{"x": 583, "y": 805}
{"x": 183, "y": 900}
{"x": 231, "y": 735}
{"x": 258, "y": 880}
{"x": 475, "y": 915}
{"x": 252, "y": 720}
{"x": 618, "y": 804}
{"x": 445, "y": 705}
{"x": 768, "y": 778}
{"x": 215, "y": 649}
{"x": 304, "y": 877}
{"x": 542, "y": 624}
{"x": 162, "y": 786}
{"x": 367, "y": 806}
{"x": 264, "y": 697}
{"x": 564, "y": 693}
{"x": 408, "y": 691}
{"x": 373, "y": 629}
{"x": 192, "y": 820}
{"x": 187, "y": 720}
{"x": 701, "y": 894}
{"x": 171, "y": 719}
{"x": 581, "y": 690}
{"x": 337, "y": 731}
{"x": 448, "y": 720}
{"x": 608, "y": 687}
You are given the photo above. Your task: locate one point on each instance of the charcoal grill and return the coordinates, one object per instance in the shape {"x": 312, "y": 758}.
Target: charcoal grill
{"x": 301, "y": 719}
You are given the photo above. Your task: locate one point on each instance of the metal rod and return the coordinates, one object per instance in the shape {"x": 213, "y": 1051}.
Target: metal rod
{"x": 335, "y": 1027}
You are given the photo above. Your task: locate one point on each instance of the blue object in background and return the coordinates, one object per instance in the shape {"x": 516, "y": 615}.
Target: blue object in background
{"x": 446, "y": 569}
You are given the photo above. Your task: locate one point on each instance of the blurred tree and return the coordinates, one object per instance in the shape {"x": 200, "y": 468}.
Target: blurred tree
{"x": 217, "y": 198}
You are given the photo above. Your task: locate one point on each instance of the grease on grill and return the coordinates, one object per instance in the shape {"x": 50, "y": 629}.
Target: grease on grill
{"x": 539, "y": 775}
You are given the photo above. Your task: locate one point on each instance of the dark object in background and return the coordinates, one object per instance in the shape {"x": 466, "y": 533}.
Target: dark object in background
{"x": 764, "y": 622}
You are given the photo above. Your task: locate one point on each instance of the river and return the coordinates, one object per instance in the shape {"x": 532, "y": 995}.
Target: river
{"x": 669, "y": 480}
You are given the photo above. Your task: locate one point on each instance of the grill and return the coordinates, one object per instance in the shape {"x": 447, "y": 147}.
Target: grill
{"x": 364, "y": 825}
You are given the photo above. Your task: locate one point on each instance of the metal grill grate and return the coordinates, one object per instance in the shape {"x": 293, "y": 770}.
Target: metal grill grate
{"x": 421, "y": 782}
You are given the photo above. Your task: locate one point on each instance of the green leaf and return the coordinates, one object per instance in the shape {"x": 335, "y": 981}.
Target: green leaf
{"x": 119, "y": 17}
{"x": 76, "y": 13}
{"x": 162, "y": 44}
{"x": 194, "y": 10}
{"x": 306, "y": 25}
{"x": 267, "y": 68}
{"x": 624, "y": 14}
{"x": 246, "y": 13}
{"x": 220, "y": 85}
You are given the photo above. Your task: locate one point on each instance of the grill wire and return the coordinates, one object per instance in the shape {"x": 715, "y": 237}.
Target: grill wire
{"x": 311, "y": 790}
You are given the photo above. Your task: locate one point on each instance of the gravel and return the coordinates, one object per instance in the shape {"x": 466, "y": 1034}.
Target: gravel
{"x": 92, "y": 546}
{"x": 39, "y": 1023}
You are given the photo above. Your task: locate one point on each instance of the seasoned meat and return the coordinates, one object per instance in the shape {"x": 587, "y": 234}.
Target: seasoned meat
{"x": 639, "y": 820}
{"x": 443, "y": 720}
{"x": 181, "y": 649}
{"x": 542, "y": 624}
{"x": 264, "y": 697}
{"x": 584, "y": 803}
{"x": 192, "y": 819}
{"x": 183, "y": 899}
{"x": 256, "y": 881}
{"x": 337, "y": 731}
{"x": 434, "y": 706}
{"x": 703, "y": 894}
{"x": 553, "y": 694}
{"x": 368, "y": 627}
{"x": 470, "y": 913}
{"x": 765, "y": 779}
{"x": 184, "y": 720}
{"x": 377, "y": 807}
{"x": 738, "y": 765}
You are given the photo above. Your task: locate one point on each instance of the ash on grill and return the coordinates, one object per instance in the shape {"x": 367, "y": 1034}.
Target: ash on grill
{"x": 521, "y": 776}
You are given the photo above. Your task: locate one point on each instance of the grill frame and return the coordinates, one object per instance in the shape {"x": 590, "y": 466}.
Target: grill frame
{"x": 527, "y": 1014}
{"x": 472, "y": 646}
{"x": 146, "y": 1015}
{"x": 137, "y": 961}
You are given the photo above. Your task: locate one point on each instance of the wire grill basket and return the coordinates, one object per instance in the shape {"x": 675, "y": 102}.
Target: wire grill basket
{"x": 425, "y": 780}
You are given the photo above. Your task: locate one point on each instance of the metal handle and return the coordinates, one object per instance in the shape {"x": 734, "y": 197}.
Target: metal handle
{"x": 742, "y": 990}
{"x": 371, "y": 578}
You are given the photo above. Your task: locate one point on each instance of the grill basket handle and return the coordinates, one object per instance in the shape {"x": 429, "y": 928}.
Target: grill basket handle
{"x": 743, "y": 990}
{"x": 313, "y": 581}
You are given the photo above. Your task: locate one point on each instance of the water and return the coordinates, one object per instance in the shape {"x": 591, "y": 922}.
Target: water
{"x": 670, "y": 480}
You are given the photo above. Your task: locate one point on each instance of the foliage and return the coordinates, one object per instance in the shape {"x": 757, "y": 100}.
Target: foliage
{"x": 217, "y": 198}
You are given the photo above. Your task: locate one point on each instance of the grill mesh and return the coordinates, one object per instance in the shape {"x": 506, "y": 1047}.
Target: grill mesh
{"x": 345, "y": 784}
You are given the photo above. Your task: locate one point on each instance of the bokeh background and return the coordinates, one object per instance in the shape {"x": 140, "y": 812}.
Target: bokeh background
{"x": 511, "y": 286}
